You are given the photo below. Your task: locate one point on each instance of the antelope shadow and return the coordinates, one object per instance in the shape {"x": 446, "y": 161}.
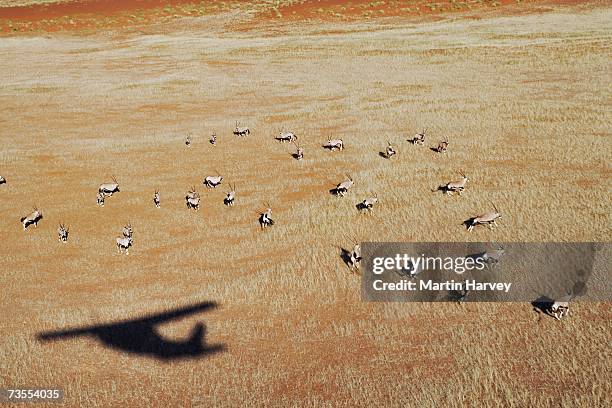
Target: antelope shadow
{"x": 345, "y": 255}
{"x": 140, "y": 336}
{"x": 295, "y": 156}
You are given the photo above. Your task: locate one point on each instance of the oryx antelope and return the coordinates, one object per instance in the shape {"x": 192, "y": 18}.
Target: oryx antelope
{"x": 192, "y": 199}
{"x": 157, "y": 199}
{"x": 32, "y": 218}
{"x": 127, "y": 230}
{"x": 355, "y": 257}
{"x": 109, "y": 188}
{"x": 62, "y": 233}
{"x": 285, "y": 137}
{"x": 333, "y": 144}
{"x": 390, "y": 152}
{"x": 419, "y": 138}
{"x": 2, "y": 180}
{"x": 343, "y": 188}
{"x": 241, "y": 130}
{"x": 124, "y": 244}
{"x": 368, "y": 203}
{"x": 484, "y": 219}
{"x": 299, "y": 152}
{"x": 231, "y": 196}
{"x": 265, "y": 219}
{"x": 188, "y": 140}
{"x": 458, "y": 185}
{"x": 213, "y": 181}
{"x": 100, "y": 199}
{"x": 213, "y": 139}
{"x": 442, "y": 147}
{"x": 560, "y": 308}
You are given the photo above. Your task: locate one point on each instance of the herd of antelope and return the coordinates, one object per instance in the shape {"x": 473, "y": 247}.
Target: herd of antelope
{"x": 557, "y": 309}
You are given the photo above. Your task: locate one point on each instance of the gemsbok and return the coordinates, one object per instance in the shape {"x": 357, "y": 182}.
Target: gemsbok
{"x": 62, "y": 233}
{"x": 100, "y": 199}
{"x": 343, "y": 188}
{"x": 32, "y": 218}
{"x": 455, "y": 186}
{"x": 265, "y": 219}
{"x": 333, "y": 144}
{"x": 213, "y": 181}
{"x": 2, "y": 180}
{"x": 442, "y": 147}
{"x": 213, "y": 139}
{"x": 109, "y": 188}
{"x": 390, "y": 152}
{"x": 285, "y": 137}
{"x": 355, "y": 257}
{"x": 241, "y": 130}
{"x": 488, "y": 218}
{"x": 560, "y": 308}
{"x": 157, "y": 199}
{"x": 124, "y": 244}
{"x": 368, "y": 203}
{"x": 231, "y": 196}
{"x": 127, "y": 230}
{"x": 419, "y": 138}
{"x": 188, "y": 140}
{"x": 299, "y": 152}
{"x": 192, "y": 199}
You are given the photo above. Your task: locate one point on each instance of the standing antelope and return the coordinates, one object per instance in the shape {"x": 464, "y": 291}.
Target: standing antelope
{"x": 333, "y": 144}
{"x": 2, "y": 180}
{"x": 213, "y": 139}
{"x": 188, "y": 140}
{"x": 442, "y": 146}
{"x": 265, "y": 219}
{"x": 285, "y": 137}
{"x": 484, "y": 219}
{"x": 109, "y": 188}
{"x": 192, "y": 199}
{"x": 32, "y": 218}
{"x": 213, "y": 181}
{"x": 343, "y": 188}
{"x": 299, "y": 152}
{"x": 127, "y": 230}
{"x": 157, "y": 199}
{"x": 101, "y": 199}
{"x": 419, "y": 138}
{"x": 241, "y": 130}
{"x": 457, "y": 186}
{"x": 230, "y": 197}
{"x": 368, "y": 203}
{"x": 124, "y": 244}
{"x": 355, "y": 257}
{"x": 390, "y": 151}
{"x": 62, "y": 233}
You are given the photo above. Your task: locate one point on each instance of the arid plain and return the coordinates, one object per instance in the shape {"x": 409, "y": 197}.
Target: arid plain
{"x": 522, "y": 94}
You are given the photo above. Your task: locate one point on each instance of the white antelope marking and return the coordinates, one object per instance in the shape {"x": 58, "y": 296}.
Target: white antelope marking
{"x": 213, "y": 139}
{"x": 442, "y": 146}
{"x": 368, "y": 203}
{"x": 285, "y": 137}
{"x": 2, "y": 180}
{"x": 100, "y": 197}
{"x": 299, "y": 152}
{"x": 32, "y": 218}
{"x": 127, "y": 230}
{"x": 419, "y": 138}
{"x": 390, "y": 152}
{"x": 457, "y": 186}
{"x": 213, "y": 181}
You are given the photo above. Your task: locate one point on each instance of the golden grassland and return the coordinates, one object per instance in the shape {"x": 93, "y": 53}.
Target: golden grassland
{"x": 524, "y": 101}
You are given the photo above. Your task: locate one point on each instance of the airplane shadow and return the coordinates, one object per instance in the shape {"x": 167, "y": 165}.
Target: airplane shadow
{"x": 140, "y": 336}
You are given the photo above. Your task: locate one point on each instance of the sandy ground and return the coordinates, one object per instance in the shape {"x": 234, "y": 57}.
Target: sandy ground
{"x": 524, "y": 100}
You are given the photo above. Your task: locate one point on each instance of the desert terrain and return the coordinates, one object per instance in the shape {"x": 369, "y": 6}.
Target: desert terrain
{"x": 521, "y": 91}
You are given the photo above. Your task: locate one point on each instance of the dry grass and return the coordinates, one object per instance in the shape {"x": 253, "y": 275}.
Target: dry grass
{"x": 524, "y": 101}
